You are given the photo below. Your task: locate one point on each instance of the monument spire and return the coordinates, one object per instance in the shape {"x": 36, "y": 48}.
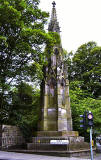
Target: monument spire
{"x": 56, "y": 111}
{"x": 54, "y": 24}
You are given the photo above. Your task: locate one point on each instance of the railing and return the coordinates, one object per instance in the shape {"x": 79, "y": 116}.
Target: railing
{"x": 57, "y": 140}
{"x": 11, "y": 141}
{"x": 49, "y": 144}
{"x": 50, "y": 140}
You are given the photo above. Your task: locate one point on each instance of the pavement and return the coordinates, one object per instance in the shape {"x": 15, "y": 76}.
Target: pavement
{"x": 23, "y": 156}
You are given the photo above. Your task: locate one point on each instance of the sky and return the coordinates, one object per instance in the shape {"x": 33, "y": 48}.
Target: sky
{"x": 79, "y": 20}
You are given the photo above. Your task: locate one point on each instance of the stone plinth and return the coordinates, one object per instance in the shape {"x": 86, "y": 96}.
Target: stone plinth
{"x": 62, "y": 144}
{"x": 57, "y": 134}
{"x": 59, "y": 142}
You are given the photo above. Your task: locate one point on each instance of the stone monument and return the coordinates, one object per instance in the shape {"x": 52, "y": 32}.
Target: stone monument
{"x": 56, "y": 111}
{"x": 56, "y": 133}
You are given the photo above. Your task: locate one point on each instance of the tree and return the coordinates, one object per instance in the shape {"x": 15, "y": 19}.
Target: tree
{"x": 86, "y": 66}
{"x": 82, "y": 101}
{"x": 24, "y": 111}
{"x": 22, "y": 38}
{"x": 84, "y": 70}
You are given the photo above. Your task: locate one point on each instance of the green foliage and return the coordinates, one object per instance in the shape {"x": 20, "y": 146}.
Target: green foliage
{"x": 25, "y": 108}
{"x": 86, "y": 66}
{"x": 56, "y": 37}
{"x": 82, "y": 101}
{"x": 22, "y": 40}
{"x": 22, "y": 36}
{"x": 84, "y": 69}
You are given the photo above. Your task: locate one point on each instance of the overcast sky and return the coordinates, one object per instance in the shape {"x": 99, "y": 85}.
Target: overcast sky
{"x": 80, "y": 21}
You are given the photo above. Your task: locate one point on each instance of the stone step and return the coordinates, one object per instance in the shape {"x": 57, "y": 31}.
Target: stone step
{"x": 57, "y": 133}
{"x": 49, "y": 139}
{"x": 46, "y": 147}
{"x": 77, "y": 153}
{"x": 60, "y": 147}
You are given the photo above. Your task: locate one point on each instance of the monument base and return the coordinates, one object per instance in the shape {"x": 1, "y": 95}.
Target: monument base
{"x": 57, "y": 134}
{"x": 61, "y": 142}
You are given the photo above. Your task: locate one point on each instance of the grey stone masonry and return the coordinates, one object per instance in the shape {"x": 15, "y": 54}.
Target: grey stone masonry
{"x": 11, "y": 136}
{"x": 55, "y": 106}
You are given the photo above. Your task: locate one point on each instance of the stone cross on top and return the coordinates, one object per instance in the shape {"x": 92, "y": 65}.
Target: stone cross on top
{"x": 53, "y": 4}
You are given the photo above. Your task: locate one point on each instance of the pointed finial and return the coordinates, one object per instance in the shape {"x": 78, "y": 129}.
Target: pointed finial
{"x": 53, "y": 4}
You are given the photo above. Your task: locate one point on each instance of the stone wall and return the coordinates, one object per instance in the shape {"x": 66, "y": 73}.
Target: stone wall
{"x": 11, "y": 136}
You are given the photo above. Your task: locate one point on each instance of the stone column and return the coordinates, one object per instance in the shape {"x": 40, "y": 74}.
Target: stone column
{"x": 67, "y": 104}
{"x": 45, "y": 116}
{"x": 59, "y": 104}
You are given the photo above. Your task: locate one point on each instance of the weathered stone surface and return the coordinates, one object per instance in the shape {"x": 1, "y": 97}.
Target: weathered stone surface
{"x": 44, "y": 143}
{"x": 56, "y": 111}
{"x": 11, "y": 136}
{"x": 57, "y": 133}
{"x": 8, "y": 130}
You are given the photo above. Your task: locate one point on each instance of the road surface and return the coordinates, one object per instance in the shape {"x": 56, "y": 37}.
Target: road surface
{"x": 23, "y": 156}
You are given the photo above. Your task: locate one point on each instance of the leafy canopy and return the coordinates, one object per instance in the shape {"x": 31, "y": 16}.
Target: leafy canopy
{"x": 22, "y": 38}
{"x": 86, "y": 66}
